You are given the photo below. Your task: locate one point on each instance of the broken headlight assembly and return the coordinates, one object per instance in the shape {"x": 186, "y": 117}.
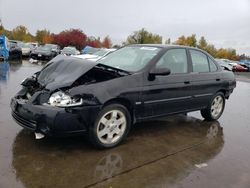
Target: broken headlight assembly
{"x": 61, "y": 99}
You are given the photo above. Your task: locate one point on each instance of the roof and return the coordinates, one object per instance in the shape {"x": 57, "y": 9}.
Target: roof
{"x": 164, "y": 46}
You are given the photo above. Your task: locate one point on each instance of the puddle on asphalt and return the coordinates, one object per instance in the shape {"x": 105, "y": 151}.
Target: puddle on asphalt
{"x": 73, "y": 162}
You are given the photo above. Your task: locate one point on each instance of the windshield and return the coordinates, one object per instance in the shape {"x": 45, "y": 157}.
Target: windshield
{"x": 100, "y": 52}
{"x": 24, "y": 45}
{"x": 131, "y": 58}
{"x": 44, "y": 48}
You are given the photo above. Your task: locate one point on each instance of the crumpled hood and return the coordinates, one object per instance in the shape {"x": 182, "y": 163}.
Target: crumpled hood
{"x": 63, "y": 71}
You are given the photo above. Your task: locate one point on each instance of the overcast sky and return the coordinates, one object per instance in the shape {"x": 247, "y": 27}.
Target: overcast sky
{"x": 225, "y": 23}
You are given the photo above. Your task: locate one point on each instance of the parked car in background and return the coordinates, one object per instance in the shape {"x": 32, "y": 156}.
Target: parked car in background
{"x": 70, "y": 50}
{"x": 89, "y": 50}
{"x": 133, "y": 84}
{"x": 54, "y": 48}
{"x": 4, "y": 51}
{"x": 15, "y": 52}
{"x": 224, "y": 65}
{"x": 45, "y": 52}
{"x": 239, "y": 68}
{"x": 96, "y": 55}
{"x": 34, "y": 45}
{"x": 236, "y": 67}
{"x": 246, "y": 64}
{"x": 26, "y": 49}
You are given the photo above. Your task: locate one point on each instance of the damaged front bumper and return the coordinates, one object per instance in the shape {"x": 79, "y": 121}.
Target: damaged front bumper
{"x": 53, "y": 121}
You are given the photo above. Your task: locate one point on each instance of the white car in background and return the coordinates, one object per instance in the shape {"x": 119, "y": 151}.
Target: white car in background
{"x": 34, "y": 45}
{"x": 97, "y": 55}
{"x": 70, "y": 50}
{"x": 225, "y": 65}
{"x": 26, "y": 49}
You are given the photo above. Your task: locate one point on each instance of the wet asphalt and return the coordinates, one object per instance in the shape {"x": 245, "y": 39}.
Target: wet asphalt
{"x": 159, "y": 153}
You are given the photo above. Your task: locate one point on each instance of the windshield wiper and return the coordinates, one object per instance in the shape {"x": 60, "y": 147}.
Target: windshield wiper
{"x": 109, "y": 68}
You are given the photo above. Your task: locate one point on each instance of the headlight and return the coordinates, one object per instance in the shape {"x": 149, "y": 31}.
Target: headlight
{"x": 61, "y": 99}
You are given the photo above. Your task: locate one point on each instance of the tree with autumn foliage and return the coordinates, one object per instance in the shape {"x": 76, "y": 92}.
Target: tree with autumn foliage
{"x": 94, "y": 42}
{"x": 5, "y": 32}
{"x": 187, "y": 41}
{"x": 43, "y": 36}
{"x": 202, "y": 44}
{"x": 226, "y": 53}
{"x": 72, "y": 37}
{"x": 76, "y": 37}
{"x": 21, "y": 33}
{"x": 106, "y": 43}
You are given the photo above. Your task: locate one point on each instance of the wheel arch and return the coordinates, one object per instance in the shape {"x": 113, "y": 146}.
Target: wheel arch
{"x": 225, "y": 92}
{"x": 124, "y": 102}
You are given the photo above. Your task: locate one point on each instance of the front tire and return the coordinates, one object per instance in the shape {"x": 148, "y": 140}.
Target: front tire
{"x": 111, "y": 126}
{"x": 215, "y": 108}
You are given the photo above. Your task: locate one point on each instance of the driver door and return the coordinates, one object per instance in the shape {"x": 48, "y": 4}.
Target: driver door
{"x": 170, "y": 93}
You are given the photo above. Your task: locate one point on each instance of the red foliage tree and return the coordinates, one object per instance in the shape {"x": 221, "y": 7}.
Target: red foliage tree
{"x": 106, "y": 43}
{"x": 72, "y": 37}
{"x": 94, "y": 42}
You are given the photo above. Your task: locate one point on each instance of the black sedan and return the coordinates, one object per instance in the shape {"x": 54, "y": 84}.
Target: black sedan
{"x": 46, "y": 52}
{"x": 136, "y": 83}
{"x": 15, "y": 51}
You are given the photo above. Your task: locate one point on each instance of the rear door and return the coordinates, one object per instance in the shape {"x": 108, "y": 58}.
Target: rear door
{"x": 206, "y": 78}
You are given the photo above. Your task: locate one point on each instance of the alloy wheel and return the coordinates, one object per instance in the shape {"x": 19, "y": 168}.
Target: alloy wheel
{"x": 217, "y": 106}
{"x": 111, "y": 127}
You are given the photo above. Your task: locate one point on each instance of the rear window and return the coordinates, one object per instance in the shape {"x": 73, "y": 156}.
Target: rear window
{"x": 213, "y": 67}
{"x": 199, "y": 61}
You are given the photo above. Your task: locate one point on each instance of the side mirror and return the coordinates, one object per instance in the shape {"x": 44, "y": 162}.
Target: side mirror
{"x": 158, "y": 72}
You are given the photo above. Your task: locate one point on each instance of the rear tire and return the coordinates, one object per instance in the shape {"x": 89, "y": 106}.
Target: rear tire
{"x": 111, "y": 126}
{"x": 215, "y": 108}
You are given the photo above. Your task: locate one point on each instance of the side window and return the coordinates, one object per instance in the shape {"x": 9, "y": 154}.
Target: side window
{"x": 175, "y": 60}
{"x": 199, "y": 60}
{"x": 213, "y": 67}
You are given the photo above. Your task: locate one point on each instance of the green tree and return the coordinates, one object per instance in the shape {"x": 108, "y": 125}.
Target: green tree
{"x": 191, "y": 40}
{"x": 211, "y": 50}
{"x": 5, "y": 32}
{"x": 143, "y": 37}
{"x": 202, "y": 43}
{"x": 168, "y": 41}
{"x": 20, "y": 33}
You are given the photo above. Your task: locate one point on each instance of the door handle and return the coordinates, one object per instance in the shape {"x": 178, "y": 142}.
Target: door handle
{"x": 186, "y": 82}
{"x": 217, "y": 79}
